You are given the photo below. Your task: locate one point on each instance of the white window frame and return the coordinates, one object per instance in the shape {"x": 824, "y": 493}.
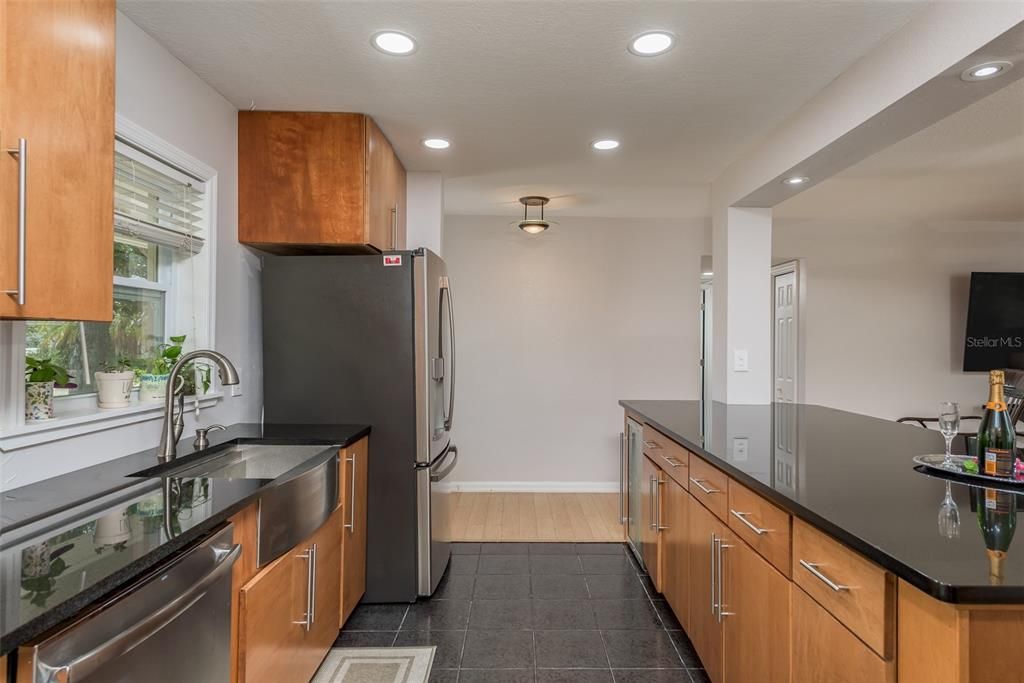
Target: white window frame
{"x": 77, "y": 415}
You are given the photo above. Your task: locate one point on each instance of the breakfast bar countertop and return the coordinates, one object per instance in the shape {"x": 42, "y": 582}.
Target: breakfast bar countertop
{"x": 853, "y": 477}
{"x": 72, "y": 541}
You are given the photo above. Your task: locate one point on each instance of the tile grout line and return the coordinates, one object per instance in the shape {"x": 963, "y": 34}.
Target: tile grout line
{"x": 400, "y": 625}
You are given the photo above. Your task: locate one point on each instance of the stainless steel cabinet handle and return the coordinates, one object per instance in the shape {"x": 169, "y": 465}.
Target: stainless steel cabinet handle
{"x": 714, "y": 548}
{"x": 653, "y": 524}
{"x": 672, "y": 461}
{"x": 312, "y": 586}
{"x": 351, "y": 526}
{"x": 652, "y": 445}
{"x": 307, "y": 619}
{"x": 394, "y": 227}
{"x": 813, "y": 569}
{"x": 722, "y": 545}
{"x": 21, "y": 152}
{"x": 742, "y": 516}
{"x": 657, "y": 504}
{"x": 699, "y": 483}
{"x": 622, "y": 477}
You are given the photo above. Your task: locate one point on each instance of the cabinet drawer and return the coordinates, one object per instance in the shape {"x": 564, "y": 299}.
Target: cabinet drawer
{"x": 860, "y": 594}
{"x": 823, "y": 650}
{"x": 710, "y": 486}
{"x": 763, "y": 526}
{"x": 667, "y": 454}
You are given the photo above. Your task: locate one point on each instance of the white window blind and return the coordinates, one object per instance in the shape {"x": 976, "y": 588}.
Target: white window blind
{"x": 157, "y": 202}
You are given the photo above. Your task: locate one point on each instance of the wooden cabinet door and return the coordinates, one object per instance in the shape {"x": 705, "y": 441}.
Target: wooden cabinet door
{"x": 269, "y": 637}
{"x": 382, "y": 181}
{"x": 650, "y": 538}
{"x": 58, "y": 95}
{"x": 756, "y": 616}
{"x": 326, "y": 595}
{"x": 399, "y": 193}
{"x": 704, "y": 628}
{"x": 675, "y": 566}
{"x": 353, "y": 535}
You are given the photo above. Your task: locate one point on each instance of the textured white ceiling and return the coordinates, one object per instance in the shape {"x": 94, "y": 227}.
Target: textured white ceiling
{"x": 522, "y": 87}
{"x": 968, "y": 166}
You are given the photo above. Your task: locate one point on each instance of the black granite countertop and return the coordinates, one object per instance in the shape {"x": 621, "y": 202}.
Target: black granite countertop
{"x": 852, "y": 477}
{"x": 71, "y": 541}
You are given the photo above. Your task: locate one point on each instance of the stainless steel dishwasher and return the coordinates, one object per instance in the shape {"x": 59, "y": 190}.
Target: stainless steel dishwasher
{"x": 173, "y": 625}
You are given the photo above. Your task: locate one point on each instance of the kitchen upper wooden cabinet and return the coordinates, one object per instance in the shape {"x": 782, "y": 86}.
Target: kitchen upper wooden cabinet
{"x": 756, "y": 615}
{"x": 675, "y": 566}
{"x": 318, "y": 182}
{"x": 650, "y": 514}
{"x": 288, "y": 612}
{"x": 57, "y": 96}
{"x": 353, "y": 534}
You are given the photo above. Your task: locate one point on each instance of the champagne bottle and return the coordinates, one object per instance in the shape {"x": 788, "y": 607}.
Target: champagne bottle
{"x": 995, "y": 435}
{"x": 997, "y": 518}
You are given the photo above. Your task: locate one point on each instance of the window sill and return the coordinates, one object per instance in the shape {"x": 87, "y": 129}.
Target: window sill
{"x": 86, "y": 418}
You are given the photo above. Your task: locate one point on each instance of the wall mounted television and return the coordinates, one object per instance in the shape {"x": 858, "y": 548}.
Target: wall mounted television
{"x": 995, "y": 322}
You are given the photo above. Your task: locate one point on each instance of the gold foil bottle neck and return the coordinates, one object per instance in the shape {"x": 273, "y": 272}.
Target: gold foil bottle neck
{"x": 995, "y": 566}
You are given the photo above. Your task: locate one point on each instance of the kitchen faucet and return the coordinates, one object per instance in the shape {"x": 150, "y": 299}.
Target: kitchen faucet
{"x": 174, "y": 421}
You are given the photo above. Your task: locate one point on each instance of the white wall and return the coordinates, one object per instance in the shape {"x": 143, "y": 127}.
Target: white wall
{"x": 886, "y": 309}
{"x": 554, "y": 329}
{"x": 425, "y": 204}
{"x": 157, "y": 92}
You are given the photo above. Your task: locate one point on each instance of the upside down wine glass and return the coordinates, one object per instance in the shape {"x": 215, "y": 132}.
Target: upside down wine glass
{"x": 949, "y": 425}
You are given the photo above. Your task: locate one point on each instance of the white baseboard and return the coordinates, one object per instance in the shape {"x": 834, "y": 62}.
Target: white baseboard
{"x": 532, "y": 486}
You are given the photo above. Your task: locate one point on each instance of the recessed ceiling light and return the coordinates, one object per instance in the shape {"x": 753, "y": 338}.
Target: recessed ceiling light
{"x": 983, "y": 72}
{"x": 394, "y": 43}
{"x": 604, "y": 145}
{"x": 436, "y": 143}
{"x": 795, "y": 180}
{"x": 651, "y": 43}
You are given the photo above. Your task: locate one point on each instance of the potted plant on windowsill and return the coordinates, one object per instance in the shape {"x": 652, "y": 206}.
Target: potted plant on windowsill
{"x": 153, "y": 380}
{"x": 114, "y": 384}
{"x": 41, "y": 375}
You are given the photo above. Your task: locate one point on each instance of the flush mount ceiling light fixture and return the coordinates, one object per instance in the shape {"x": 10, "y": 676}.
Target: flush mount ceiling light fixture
{"x": 983, "y": 72}
{"x": 436, "y": 143}
{"x": 394, "y": 43}
{"x": 795, "y": 180}
{"x": 604, "y": 145}
{"x": 652, "y": 43}
{"x": 533, "y": 226}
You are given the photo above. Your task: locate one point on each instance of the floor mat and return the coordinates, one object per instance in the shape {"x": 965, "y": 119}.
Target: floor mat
{"x": 376, "y": 665}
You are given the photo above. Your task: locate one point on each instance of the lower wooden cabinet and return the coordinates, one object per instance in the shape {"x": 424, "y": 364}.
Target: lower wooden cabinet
{"x": 705, "y": 629}
{"x": 756, "y": 615}
{"x": 675, "y": 566}
{"x": 353, "y": 532}
{"x": 650, "y": 510}
{"x": 824, "y": 650}
{"x": 288, "y": 612}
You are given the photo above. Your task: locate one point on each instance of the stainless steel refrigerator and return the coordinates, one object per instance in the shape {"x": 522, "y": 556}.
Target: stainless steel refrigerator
{"x": 370, "y": 339}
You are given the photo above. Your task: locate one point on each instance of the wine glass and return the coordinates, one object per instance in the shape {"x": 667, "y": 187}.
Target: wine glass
{"x": 949, "y": 425}
{"x": 949, "y": 516}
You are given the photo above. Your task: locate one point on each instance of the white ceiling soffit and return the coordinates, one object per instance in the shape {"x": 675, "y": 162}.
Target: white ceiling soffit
{"x": 968, "y": 166}
{"x": 521, "y": 88}
{"x": 940, "y": 97}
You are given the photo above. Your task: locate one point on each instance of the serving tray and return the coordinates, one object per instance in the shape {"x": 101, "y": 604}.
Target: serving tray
{"x": 933, "y": 463}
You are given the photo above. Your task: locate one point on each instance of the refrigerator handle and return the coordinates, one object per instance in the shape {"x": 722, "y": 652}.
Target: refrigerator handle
{"x": 446, "y": 290}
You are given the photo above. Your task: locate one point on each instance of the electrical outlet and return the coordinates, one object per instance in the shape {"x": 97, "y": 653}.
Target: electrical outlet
{"x": 739, "y": 449}
{"x": 739, "y": 360}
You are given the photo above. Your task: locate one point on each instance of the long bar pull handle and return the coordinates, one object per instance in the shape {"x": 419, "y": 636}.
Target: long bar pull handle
{"x": 312, "y": 586}
{"x": 622, "y": 477}
{"x": 722, "y": 545}
{"x": 657, "y": 504}
{"x": 714, "y": 548}
{"x": 813, "y": 569}
{"x": 699, "y": 483}
{"x": 307, "y": 618}
{"x": 652, "y": 445}
{"x": 742, "y": 516}
{"x": 650, "y": 489}
{"x": 351, "y": 526}
{"x": 672, "y": 461}
{"x": 21, "y": 152}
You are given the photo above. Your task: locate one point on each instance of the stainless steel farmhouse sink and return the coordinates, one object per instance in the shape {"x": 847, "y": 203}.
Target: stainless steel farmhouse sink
{"x": 300, "y": 494}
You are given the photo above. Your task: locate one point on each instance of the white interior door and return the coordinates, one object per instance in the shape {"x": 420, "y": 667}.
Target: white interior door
{"x": 784, "y": 337}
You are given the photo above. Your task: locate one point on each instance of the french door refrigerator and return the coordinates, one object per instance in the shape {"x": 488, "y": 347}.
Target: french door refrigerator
{"x": 370, "y": 339}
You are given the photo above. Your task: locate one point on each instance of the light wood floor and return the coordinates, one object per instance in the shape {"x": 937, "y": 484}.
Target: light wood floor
{"x": 556, "y": 517}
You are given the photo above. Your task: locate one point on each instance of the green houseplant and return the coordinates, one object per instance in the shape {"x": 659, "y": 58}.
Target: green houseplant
{"x": 114, "y": 384}
{"x": 41, "y": 375}
{"x": 153, "y": 380}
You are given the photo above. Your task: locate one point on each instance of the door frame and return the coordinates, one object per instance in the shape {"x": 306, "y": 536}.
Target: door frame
{"x": 794, "y": 266}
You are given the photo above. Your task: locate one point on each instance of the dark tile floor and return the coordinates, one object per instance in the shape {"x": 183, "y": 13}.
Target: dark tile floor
{"x": 538, "y": 612}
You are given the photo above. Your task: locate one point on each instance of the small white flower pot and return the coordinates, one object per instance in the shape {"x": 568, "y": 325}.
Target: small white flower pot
{"x": 114, "y": 389}
{"x": 38, "y": 401}
{"x": 152, "y": 388}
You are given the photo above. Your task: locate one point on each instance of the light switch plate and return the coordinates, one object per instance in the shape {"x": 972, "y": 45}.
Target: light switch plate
{"x": 739, "y": 448}
{"x": 236, "y": 389}
{"x": 739, "y": 360}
